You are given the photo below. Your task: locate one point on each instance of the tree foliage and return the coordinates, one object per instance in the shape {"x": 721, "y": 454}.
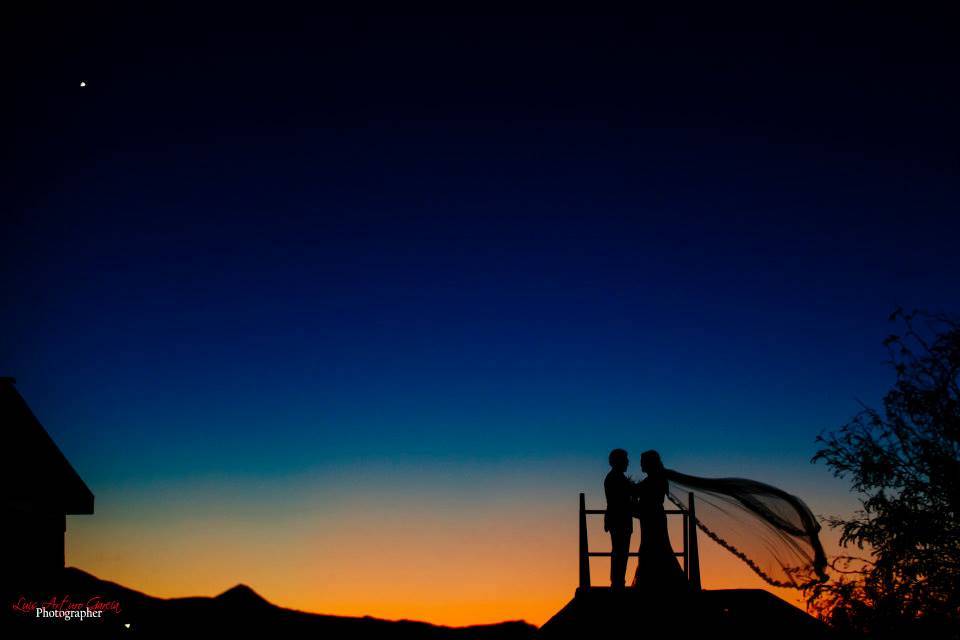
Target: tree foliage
{"x": 903, "y": 575}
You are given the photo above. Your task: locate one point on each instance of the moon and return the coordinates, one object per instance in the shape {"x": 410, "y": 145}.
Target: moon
{"x": 83, "y": 84}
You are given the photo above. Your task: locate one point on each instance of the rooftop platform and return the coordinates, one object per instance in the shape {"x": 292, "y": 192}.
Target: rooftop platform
{"x": 745, "y": 614}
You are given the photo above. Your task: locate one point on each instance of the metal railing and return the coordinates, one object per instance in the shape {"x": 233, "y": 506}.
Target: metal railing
{"x": 690, "y": 553}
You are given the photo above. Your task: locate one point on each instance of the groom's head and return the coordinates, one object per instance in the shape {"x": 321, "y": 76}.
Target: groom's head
{"x": 619, "y": 460}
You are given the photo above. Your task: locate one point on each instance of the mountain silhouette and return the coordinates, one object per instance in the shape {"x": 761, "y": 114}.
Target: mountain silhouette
{"x": 238, "y": 610}
{"x": 243, "y": 596}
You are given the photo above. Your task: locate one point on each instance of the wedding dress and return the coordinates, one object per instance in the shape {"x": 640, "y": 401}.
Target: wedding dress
{"x": 657, "y": 566}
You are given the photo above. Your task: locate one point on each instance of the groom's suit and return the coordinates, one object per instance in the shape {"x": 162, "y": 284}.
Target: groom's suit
{"x": 618, "y": 520}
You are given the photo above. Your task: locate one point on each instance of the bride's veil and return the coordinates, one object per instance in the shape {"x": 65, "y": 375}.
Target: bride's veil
{"x": 773, "y": 532}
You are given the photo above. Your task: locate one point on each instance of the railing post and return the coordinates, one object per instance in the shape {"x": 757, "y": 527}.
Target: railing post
{"x": 584, "y": 558}
{"x": 686, "y": 544}
{"x": 693, "y": 553}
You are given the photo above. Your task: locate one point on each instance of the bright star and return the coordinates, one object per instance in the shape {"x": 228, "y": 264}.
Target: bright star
{"x": 83, "y": 84}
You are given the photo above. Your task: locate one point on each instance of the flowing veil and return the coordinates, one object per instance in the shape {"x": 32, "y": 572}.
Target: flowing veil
{"x": 773, "y": 532}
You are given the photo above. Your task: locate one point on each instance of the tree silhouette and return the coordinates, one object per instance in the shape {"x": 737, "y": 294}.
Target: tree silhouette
{"x": 904, "y": 576}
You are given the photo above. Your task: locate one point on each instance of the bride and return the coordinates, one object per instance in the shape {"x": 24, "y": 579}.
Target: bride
{"x": 657, "y": 566}
{"x": 770, "y": 530}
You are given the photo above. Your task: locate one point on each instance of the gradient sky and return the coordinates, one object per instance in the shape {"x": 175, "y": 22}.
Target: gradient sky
{"x": 350, "y": 309}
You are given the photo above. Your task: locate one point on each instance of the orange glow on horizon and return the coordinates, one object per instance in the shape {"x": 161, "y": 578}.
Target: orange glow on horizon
{"x": 452, "y": 563}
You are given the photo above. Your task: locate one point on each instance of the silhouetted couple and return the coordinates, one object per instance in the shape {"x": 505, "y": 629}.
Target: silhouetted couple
{"x": 657, "y": 566}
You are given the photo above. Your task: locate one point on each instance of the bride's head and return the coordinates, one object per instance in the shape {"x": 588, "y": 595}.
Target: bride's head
{"x": 650, "y": 462}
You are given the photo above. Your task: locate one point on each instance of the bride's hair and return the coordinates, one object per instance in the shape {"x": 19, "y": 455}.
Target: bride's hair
{"x": 650, "y": 460}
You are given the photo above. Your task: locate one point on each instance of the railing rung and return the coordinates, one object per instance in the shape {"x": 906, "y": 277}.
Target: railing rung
{"x": 632, "y": 554}
{"x": 600, "y": 512}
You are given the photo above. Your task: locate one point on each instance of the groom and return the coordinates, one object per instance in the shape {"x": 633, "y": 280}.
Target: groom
{"x": 618, "y": 519}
